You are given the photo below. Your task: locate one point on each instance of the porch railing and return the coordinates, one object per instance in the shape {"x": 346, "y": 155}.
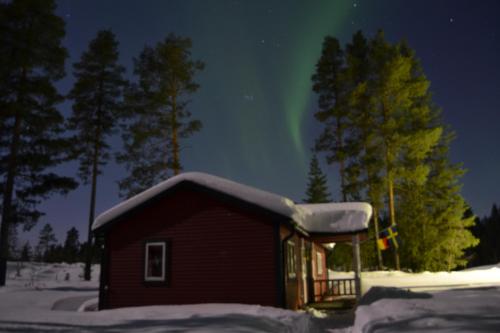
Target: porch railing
{"x": 327, "y": 289}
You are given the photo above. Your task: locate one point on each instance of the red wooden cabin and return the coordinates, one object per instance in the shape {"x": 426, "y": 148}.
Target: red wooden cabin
{"x": 198, "y": 238}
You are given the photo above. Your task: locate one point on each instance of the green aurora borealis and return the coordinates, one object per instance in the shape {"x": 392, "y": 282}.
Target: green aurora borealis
{"x": 263, "y": 56}
{"x": 318, "y": 22}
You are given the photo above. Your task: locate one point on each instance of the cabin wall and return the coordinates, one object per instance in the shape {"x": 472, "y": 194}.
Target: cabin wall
{"x": 219, "y": 253}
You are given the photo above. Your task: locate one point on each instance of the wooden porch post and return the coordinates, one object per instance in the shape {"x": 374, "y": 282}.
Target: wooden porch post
{"x": 356, "y": 259}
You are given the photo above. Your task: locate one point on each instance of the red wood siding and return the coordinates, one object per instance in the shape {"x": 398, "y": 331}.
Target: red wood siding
{"x": 219, "y": 253}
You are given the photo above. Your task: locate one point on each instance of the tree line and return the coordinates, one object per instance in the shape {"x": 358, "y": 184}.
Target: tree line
{"x": 151, "y": 112}
{"x": 487, "y": 230}
{"x": 387, "y": 138}
{"x": 48, "y": 249}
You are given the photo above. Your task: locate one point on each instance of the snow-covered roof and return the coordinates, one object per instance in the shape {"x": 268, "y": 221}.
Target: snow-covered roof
{"x": 341, "y": 217}
{"x": 328, "y": 218}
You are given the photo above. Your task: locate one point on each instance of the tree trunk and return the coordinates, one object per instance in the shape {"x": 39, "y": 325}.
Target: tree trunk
{"x": 392, "y": 214}
{"x": 379, "y": 253}
{"x": 9, "y": 184}
{"x": 89, "y": 250}
{"x": 175, "y": 144}
{"x": 340, "y": 144}
{"x": 93, "y": 190}
{"x": 7, "y": 199}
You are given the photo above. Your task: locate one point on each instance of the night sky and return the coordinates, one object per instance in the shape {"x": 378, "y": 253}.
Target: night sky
{"x": 256, "y": 102}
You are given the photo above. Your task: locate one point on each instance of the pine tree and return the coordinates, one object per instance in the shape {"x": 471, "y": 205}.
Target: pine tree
{"x": 493, "y": 233}
{"x": 317, "y": 187}
{"x": 26, "y": 252}
{"x": 71, "y": 246}
{"x": 13, "y": 243}
{"x": 96, "y": 112}
{"x": 365, "y": 166}
{"x": 46, "y": 240}
{"x": 158, "y": 104}
{"x": 394, "y": 151}
{"x": 31, "y": 142}
{"x": 328, "y": 84}
{"x": 487, "y": 229}
{"x": 398, "y": 90}
{"x": 436, "y": 212}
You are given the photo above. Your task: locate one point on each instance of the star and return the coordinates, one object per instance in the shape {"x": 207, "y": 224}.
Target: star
{"x": 451, "y": 20}
{"x": 262, "y": 41}
{"x": 355, "y": 5}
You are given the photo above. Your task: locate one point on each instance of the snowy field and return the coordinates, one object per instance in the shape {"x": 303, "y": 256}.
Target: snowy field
{"x": 52, "y": 298}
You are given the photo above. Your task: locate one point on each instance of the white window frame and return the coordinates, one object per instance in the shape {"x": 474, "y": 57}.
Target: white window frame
{"x": 319, "y": 263}
{"x": 163, "y": 263}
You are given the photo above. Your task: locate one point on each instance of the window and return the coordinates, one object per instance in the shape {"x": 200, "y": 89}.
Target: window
{"x": 291, "y": 259}
{"x": 155, "y": 261}
{"x": 319, "y": 263}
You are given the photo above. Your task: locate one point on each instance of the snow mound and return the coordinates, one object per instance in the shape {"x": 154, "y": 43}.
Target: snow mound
{"x": 459, "y": 310}
{"x": 377, "y": 293}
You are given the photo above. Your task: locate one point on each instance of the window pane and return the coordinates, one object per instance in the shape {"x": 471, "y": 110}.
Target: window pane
{"x": 155, "y": 261}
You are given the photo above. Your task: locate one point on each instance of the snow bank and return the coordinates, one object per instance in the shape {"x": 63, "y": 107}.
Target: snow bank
{"x": 461, "y": 310}
{"x": 329, "y": 217}
{"x": 376, "y": 293}
{"x": 427, "y": 281}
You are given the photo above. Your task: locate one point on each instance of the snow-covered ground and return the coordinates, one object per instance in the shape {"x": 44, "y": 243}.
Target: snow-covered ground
{"x": 458, "y": 310}
{"x": 461, "y": 301}
{"x": 46, "y": 297}
{"x": 51, "y": 297}
{"x": 427, "y": 281}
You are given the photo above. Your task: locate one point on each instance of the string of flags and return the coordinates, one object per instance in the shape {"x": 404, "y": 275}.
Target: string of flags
{"x": 388, "y": 237}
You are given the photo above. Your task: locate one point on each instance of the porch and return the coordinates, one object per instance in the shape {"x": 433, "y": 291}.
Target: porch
{"x": 334, "y": 294}
{"x": 329, "y": 289}
{"x": 338, "y": 293}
